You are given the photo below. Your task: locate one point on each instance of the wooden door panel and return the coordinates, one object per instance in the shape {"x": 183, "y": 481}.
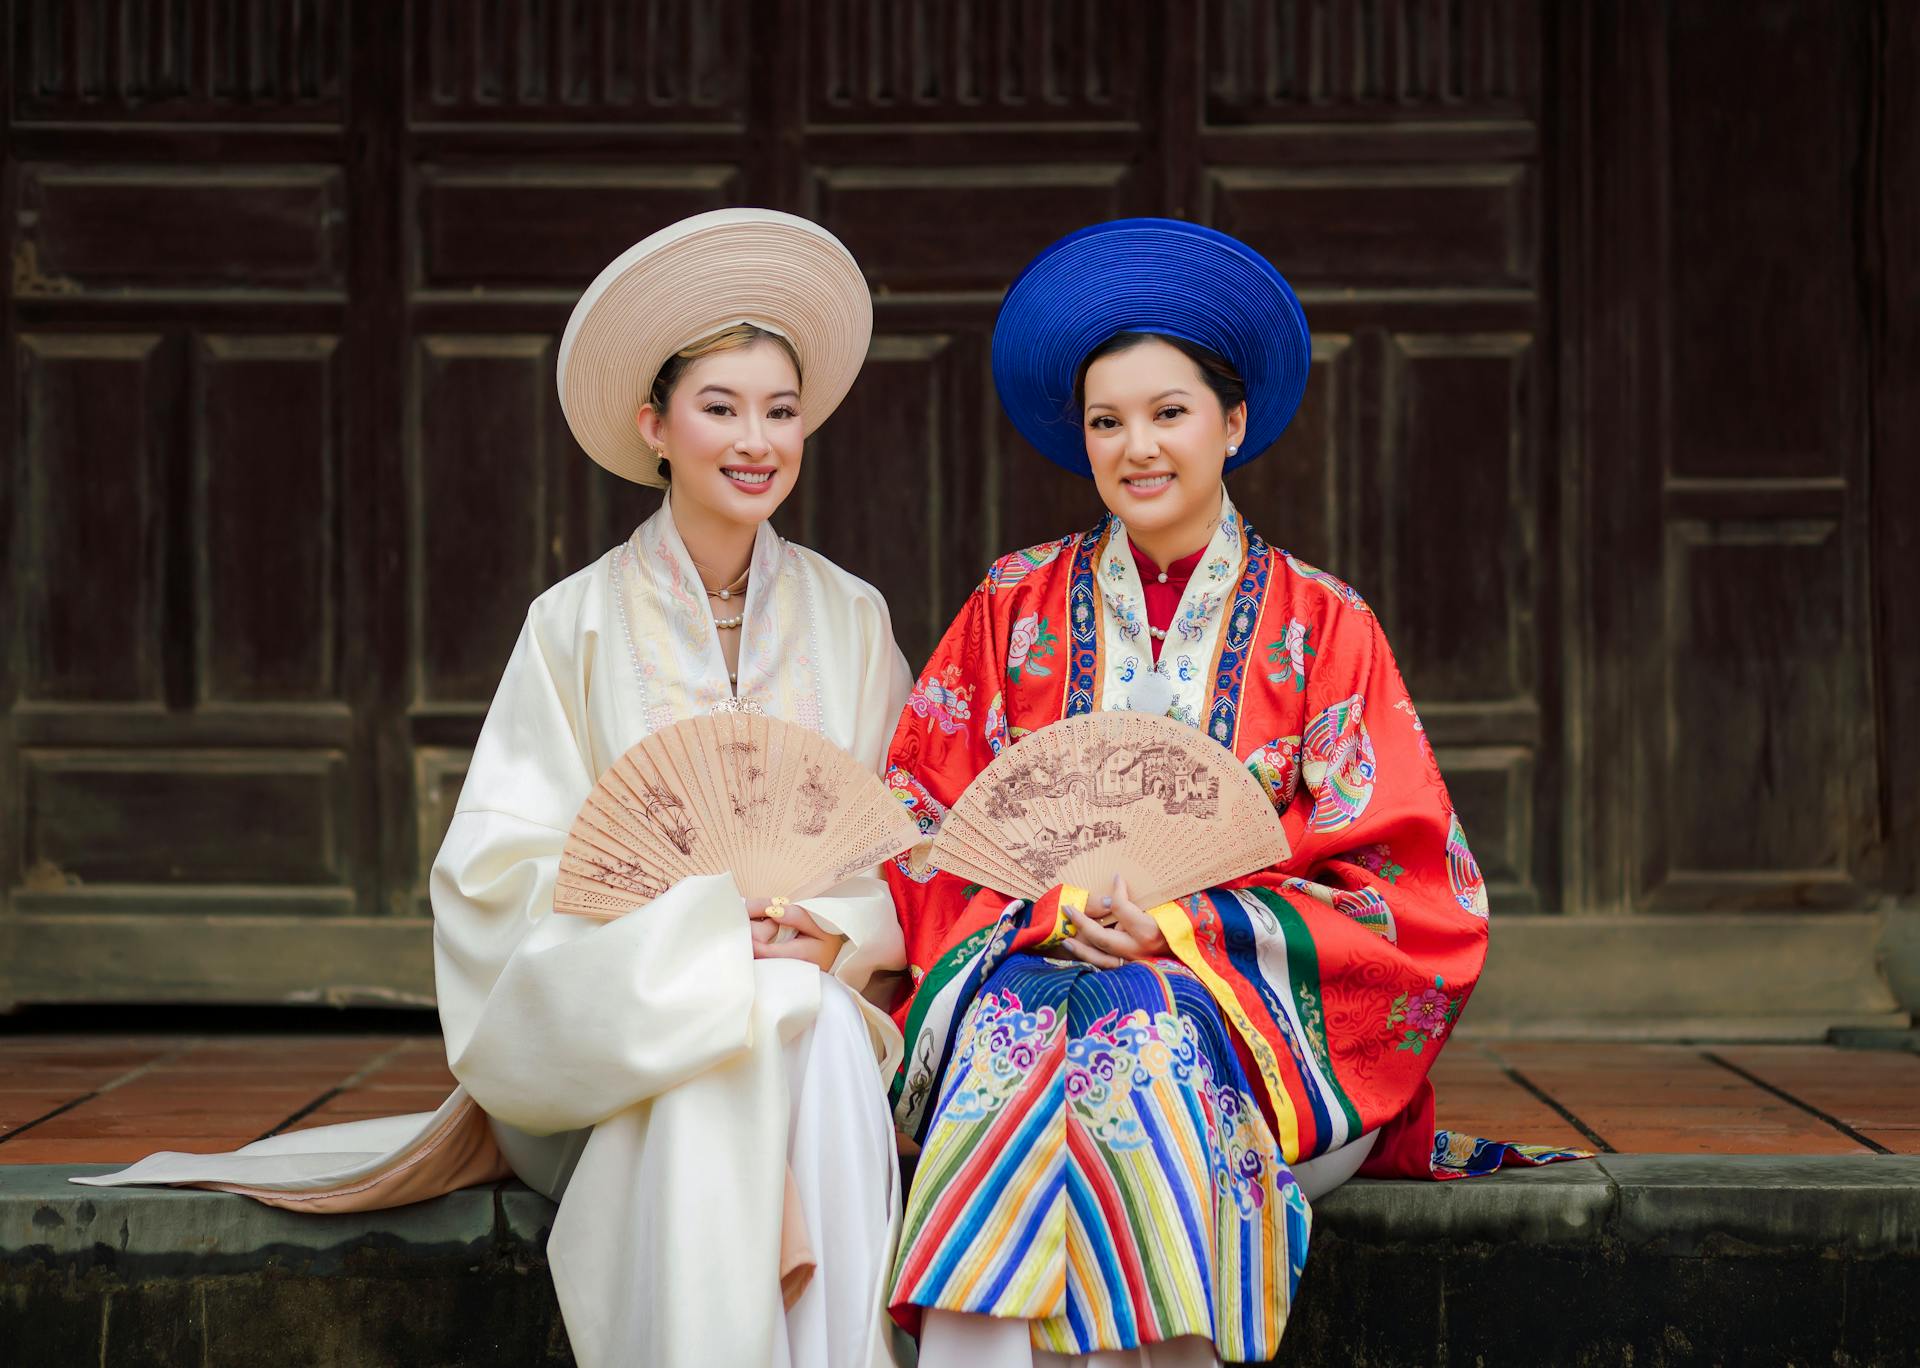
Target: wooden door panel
{"x": 1038, "y": 501}
{"x": 267, "y": 518}
{"x": 1294, "y": 494}
{"x": 1452, "y": 498}
{"x": 1766, "y": 315}
{"x": 973, "y": 228}
{"x": 877, "y": 523}
{"x": 99, "y": 818}
{"x": 93, "y": 463}
{"x": 147, "y": 227}
{"x": 1769, "y": 783}
{"x": 1448, "y": 226}
{"x": 534, "y": 227}
{"x": 480, "y": 494}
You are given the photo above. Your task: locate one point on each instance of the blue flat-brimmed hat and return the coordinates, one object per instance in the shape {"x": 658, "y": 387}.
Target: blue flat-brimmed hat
{"x": 1147, "y": 275}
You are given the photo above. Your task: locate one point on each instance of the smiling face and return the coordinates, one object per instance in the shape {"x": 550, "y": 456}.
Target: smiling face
{"x": 731, "y": 430}
{"x": 1157, "y": 438}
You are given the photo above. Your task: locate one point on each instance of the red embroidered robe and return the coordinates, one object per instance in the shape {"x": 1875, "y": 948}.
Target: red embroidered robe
{"x": 1344, "y": 996}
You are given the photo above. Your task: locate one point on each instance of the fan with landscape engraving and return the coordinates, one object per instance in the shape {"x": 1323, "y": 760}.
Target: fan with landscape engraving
{"x": 781, "y": 808}
{"x": 1083, "y": 799}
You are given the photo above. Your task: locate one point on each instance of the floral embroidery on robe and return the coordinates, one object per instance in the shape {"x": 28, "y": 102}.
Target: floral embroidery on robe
{"x": 1106, "y": 1152}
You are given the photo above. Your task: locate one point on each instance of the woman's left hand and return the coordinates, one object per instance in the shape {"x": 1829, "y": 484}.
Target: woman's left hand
{"x": 1133, "y": 934}
{"x": 810, "y": 941}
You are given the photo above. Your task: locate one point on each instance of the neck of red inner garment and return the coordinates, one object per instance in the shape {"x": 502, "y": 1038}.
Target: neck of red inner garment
{"x": 1163, "y": 589}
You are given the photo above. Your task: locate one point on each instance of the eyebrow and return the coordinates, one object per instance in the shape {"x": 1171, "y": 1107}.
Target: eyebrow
{"x": 734, "y": 394}
{"x": 1163, "y": 394}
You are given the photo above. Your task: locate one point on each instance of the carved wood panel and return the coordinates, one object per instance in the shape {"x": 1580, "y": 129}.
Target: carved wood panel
{"x": 1279, "y": 59}
{"x": 165, "y": 61}
{"x": 579, "y": 60}
{"x": 976, "y": 61}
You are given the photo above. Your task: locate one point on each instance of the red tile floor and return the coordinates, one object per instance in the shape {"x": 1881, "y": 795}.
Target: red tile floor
{"x": 92, "y": 1098}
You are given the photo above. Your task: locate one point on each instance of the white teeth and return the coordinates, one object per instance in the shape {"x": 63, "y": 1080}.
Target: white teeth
{"x": 1151, "y": 482}
{"x": 748, "y": 477}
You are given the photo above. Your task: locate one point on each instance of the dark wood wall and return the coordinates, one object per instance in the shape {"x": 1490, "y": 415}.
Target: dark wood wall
{"x": 1738, "y": 214}
{"x": 1612, "y": 415}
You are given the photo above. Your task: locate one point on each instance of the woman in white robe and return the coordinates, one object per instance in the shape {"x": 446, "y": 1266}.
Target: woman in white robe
{"x": 700, "y": 1089}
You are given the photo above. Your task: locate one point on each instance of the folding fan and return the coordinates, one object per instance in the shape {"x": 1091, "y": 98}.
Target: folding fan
{"x": 781, "y": 808}
{"x": 1083, "y": 799}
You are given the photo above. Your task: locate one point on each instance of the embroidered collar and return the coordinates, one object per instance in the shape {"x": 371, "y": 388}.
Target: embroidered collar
{"x": 1192, "y": 635}
{"x": 1174, "y": 576}
{"x": 675, "y": 647}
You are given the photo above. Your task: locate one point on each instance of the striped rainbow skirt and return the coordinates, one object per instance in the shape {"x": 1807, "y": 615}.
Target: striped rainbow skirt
{"x": 1097, "y": 1165}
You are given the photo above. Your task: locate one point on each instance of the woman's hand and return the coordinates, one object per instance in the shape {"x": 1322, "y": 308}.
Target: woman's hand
{"x": 810, "y": 941}
{"x": 1131, "y": 935}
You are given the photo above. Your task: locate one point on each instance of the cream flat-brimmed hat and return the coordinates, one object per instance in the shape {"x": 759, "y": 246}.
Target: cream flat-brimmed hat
{"x": 689, "y": 281}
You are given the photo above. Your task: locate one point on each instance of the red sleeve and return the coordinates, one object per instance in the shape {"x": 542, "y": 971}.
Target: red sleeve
{"x": 1371, "y": 825}
{"x": 1380, "y": 875}
{"x": 949, "y": 731}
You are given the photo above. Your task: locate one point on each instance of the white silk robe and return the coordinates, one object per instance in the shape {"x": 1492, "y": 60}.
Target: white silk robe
{"x": 649, "y": 1072}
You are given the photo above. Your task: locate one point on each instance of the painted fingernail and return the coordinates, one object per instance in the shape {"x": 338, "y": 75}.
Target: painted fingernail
{"x": 1106, "y": 902}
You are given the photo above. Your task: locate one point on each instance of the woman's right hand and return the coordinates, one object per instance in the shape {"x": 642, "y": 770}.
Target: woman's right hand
{"x": 762, "y": 927}
{"x": 807, "y": 939}
{"x": 1132, "y": 935}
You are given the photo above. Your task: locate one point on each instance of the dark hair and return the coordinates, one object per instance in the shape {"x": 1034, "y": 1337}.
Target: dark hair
{"x": 1215, "y": 369}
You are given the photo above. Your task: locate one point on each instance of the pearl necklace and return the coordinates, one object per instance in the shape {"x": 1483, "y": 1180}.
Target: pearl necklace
{"x": 728, "y": 624}
{"x": 1157, "y": 633}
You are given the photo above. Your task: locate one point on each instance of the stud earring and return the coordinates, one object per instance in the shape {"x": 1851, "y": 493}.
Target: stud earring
{"x": 1232, "y": 450}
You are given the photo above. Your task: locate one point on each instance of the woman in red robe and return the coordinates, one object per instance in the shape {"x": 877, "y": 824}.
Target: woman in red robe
{"x": 1123, "y": 1113}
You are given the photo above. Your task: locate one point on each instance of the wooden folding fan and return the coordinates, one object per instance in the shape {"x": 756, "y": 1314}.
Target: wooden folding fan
{"x": 1112, "y": 793}
{"x": 781, "y": 808}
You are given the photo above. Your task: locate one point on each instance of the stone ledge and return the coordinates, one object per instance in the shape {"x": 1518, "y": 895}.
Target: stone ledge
{"x": 1843, "y": 1204}
{"x": 1652, "y": 1259}
{"x": 41, "y": 1212}
{"x": 1858, "y": 1205}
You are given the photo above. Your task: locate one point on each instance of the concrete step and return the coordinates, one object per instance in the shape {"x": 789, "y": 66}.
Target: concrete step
{"x": 1658, "y": 1261}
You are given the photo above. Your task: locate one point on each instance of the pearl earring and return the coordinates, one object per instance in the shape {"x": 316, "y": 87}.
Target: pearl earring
{"x": 1232, "y": 450}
